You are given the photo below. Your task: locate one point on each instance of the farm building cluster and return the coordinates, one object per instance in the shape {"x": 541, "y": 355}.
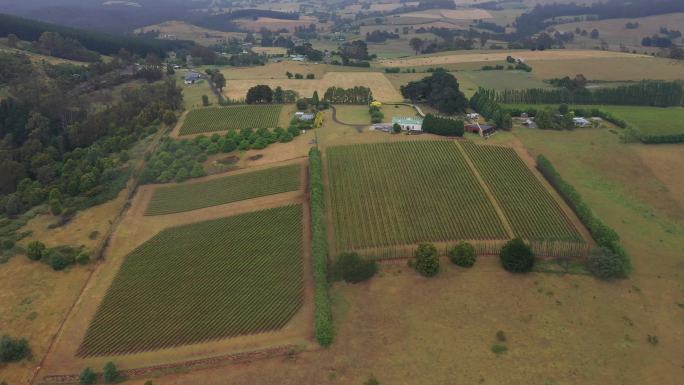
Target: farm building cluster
{"x": 411, "y": 125}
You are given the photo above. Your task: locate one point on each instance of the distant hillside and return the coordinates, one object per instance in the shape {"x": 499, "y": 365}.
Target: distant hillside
{"x": 103, "y": 43}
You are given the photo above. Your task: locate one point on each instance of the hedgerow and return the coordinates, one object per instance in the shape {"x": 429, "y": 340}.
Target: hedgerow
{"x": 602, "y": 233}
{"x": 319, "y": 249}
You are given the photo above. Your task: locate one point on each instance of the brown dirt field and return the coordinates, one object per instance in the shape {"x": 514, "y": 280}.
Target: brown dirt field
{"x": 378, "y": 83}
{"x": 135, "y": 229}
{"x": 270, "y": 50}
{"x": 185, "y": 31}
{"x": 408, "y": 330}
{"x": 451, "y": 14}
{"x": 549, "y": 55}
{"x": 667, "y": 163}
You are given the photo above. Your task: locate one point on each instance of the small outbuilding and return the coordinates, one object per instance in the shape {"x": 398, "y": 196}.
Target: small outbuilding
{"x": 484, "y": 130}
{"x": 581, "y": 122}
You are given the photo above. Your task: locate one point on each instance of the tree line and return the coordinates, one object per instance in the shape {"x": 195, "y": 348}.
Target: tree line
{"x": 483, "y": 102}
{"x": 439, "y": 90}
{"x": 644, "y": 93}
{"x": 356, "y": 95}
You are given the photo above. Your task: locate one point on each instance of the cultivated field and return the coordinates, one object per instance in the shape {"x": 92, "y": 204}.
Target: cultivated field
{"x": 444, "y": 192}
{"x": 228, "y": 189}
{"x": 225, "y": 118}
{"x": 201, "y": 282}
{"x": 529, "y": 207}
{"x": 378, "y": 83}
{"x": 435, "y": 197}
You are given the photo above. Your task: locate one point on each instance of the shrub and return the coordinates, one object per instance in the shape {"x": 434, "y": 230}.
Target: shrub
{"x": 35, "y": 250}
{"x": 516, "y": 256}
{"x": 7, "y": 244}
{"x": 352, "y": 268}
{"x": 499, "y": 349}
{"x": 372, "y": 381}
{"x": 87, "y": 377}
{"x": 13, "y": 350}
{"x": 83, "y": 259}
{"x": 462, "y": 254}
{"x": 426, "y": 260}
{"x": 110, "y": 373}
{"x": 57, "y": 261}
{"x": 605, "y": 264}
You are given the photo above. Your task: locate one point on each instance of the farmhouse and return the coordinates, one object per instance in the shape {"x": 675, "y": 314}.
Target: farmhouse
{"x": 304, "y": 117}
{"x": 192, "y": 77}
{"x": 409, "y": 124}
{"x": 484, "y": 130}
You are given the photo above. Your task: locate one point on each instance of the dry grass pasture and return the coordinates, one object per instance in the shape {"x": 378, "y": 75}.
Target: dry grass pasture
{"x": 181, "y": 30}
{"x": 497, "y": 56}
{"x": 277, "y": 24}
{"x": 381, "y": 87}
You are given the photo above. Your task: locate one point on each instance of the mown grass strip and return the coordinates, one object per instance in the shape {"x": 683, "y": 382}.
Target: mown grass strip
{"x": 233, "y": 188}
{"x": 324, "y": 329}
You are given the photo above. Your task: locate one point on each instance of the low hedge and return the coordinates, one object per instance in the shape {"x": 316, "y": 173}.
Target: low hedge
{"x": 602, "y": 233}
{"x": 662, "y": 139}
{"x": 319, "y": 250}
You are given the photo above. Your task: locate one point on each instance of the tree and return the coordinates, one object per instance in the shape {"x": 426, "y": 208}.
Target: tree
{"x": 516, "y": 256}
{"x": 35, "y": 250}
{"x": 353, "y": 269}
{"x": 12, "y": 40}
{"x": 259, "y": 94}
{"x": 594, "y": 34}
{"x": 13, "y": 349}
{"x": 205, "y": 100}
{"x": 278, "y": 95}
{"x": 87, "y": 377}
{"x": 315, "y": 99}
{"x": 462, "y": 254}
{"x": 169, "y": 118}
{"x": 603, "y": 263}
{"x": 440, "y": 90}
{"x": 289, "y": 74}
{"x": 426, "y": 260}
{"x": 417, "y": 44}
{"x": 13, "y": 206}
{"x": 57, "y": 261}
{"x": 110, "y": 372}
{"x": 219, "y": 80}
{"x": 396, "y": 128}
{"x": 55, "y": 201}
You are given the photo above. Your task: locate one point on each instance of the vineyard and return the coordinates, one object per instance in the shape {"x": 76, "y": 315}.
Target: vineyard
{"x": 529, "y": 207}
{"x": 387, "y": 197}
{"x": 201, "y": 282}
{"x": 225, "y": 118}
{"x": 233, "y": 188}
{"x": 404, "y": 193}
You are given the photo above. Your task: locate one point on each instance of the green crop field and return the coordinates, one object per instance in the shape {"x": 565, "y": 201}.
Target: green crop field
{"x": 201, "y": 282}
{"x": 529, "y": 207}
{"x": 232, "y": 188}
{"x": 235, "y": 117}
{"x": 407, "y": 192}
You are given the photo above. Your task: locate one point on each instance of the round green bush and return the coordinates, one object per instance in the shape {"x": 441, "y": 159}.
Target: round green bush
{"x": 83, "y": 259}
{"x": 426, "y": 260}
{"x": 352, "y": 268}
{"x": 57, "y": 261}
{"x": 605, "y": 264}
{"x": 516, "y": 256}
{"x": 35, "y": 250}
{"x": 462, "y": 254}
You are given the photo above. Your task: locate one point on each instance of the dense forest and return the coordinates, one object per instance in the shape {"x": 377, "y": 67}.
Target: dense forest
{"x": 58, "y": 145}
{"x": 103, "y": 43}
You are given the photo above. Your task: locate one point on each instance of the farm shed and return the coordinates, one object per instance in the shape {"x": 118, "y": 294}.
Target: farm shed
{"x": 192, "y": 77}
{"x": 305, "y": 117}
{"x": 484, "y": 130}
{"x": 581, "y": 122}
{"x": 409, "y": 124}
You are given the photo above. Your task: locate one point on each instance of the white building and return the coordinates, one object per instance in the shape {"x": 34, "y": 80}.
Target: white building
{"x": 409, "y": 124}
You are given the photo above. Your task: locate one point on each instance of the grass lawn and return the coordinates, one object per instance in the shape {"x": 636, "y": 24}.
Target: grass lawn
{"x": 352, "y": 114}
{"x": 201, "y": 282}
{"x": 232, "y": 188}
{"x": 192, "y": 93}
{"x": 649, "y": 120}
